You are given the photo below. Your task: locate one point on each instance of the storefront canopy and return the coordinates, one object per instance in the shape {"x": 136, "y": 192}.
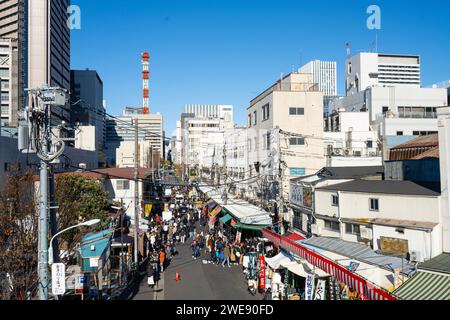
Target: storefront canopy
{"x": 243, "y": 226}
{"x": 226, "y": 218}
{"x": 425, "y": 286}
{"x": 276, "y": 261}
{"x": 302, "y": 268}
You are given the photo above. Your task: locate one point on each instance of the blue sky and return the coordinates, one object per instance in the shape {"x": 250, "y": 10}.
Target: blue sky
{"x": 227, "y": 51}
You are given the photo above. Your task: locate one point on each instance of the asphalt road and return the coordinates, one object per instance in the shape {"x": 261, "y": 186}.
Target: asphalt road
{"x": 198, "y": 281}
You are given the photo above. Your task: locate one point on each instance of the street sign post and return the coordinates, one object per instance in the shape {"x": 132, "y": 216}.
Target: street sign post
{"x": 58, "y": 279}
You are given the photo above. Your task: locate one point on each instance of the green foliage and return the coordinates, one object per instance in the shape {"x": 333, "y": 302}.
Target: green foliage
{"x": 80, "y": 199}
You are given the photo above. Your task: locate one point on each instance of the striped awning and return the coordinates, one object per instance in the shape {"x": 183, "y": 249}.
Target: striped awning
{"x": 425, "y": 286}
{"x": 226, "y": 218}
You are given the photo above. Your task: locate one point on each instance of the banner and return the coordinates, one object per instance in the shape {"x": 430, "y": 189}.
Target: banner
{"x": 238, "y": 237}
{"x": 262, "y": 272}
{"x": 58, "y": 279}
{"x": 309, "y": 287}
{"x": 148, "y": 209}
{"x": 320, "y": 290}
{"x": 215, "y": 211}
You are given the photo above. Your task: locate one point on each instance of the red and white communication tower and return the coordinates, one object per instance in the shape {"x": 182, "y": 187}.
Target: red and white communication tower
{"x": 145, "y": 81}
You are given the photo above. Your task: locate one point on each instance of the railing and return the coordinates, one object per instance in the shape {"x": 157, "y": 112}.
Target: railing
{"x": 287, "y": 87}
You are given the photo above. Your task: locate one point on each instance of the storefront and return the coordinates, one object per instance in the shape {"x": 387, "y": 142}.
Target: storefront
{"x": 356, "y": 285}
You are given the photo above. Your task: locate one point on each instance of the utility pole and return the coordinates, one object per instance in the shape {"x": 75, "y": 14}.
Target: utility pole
{"x": 35, "y": 137}
{"x": 136, "y": 191}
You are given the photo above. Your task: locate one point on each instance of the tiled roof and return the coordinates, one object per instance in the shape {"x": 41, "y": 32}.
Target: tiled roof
{"x": 432, "y": 153}
{"x": 422, "y": 141}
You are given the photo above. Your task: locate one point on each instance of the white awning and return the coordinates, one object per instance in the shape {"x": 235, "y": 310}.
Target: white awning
{"x": 302, "y": 268}
{"x": 276, "y": 261}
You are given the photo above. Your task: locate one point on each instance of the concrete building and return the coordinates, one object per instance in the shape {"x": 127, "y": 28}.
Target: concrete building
{"x": 398, "y": 217}
{"x": 120, "y": 137}
{"x": 324, "y": 73}
{"x": 285, "y": 130}
{"x": 13, "y": 24}
{"x": 49, "y": 48}
{"x": 210, "y": 111}
{"x": 399, "y": 114}
{"x": 86, "y": 95}
{"x": 368, "y": 69}
{"x": 444, "y": 156}
{"x": 11, "y": 92}
{"x": 350, "y": 141}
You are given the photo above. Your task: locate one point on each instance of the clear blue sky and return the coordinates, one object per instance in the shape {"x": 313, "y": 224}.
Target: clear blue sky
{"x": 227, "y": 51}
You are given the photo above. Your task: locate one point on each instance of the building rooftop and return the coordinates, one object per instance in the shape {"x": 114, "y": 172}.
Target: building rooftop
{"x": 384, "y": 186}
{"x": 108, "y": 173}
{"x": 431, "y": 153}
{"x": 441, "y": 263}
{"x": 345, "y": 173}
{"x": 422, "y": 141}
{"x": 360, "y": 252}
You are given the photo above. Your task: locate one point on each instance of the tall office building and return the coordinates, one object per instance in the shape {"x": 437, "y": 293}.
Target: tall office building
{"x": 209, "y": 111}
{"x": 87, "y": 86}
{"x": 13, "y": 22}
{"x": 49, "y": 48}
{"x": 368, "y": 69}
{"x": 324, "y": 74}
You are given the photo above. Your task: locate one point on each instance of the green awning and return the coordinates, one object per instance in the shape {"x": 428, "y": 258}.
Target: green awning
{"x": 226, "y": 218}
{"x": 242, "y": 226}
{"x": 425, "y": 286}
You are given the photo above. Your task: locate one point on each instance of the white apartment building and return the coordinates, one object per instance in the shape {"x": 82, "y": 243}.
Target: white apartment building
{"x": 9, "y": 82}
{"x": 285, "y": 130}
{"x": 120, "y": 137}
{"x": 368, "y": 69}
{"x": 350, "y": 141}
{"x": 397, "y": 113}
{"x": 397, "y": 216}
{"x": 200, "y": 134}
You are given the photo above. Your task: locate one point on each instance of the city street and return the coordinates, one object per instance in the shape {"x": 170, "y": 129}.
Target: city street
{"x": 198, "y": 281}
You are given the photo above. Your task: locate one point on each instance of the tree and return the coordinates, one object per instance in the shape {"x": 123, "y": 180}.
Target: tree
{"x": 80, "y": 199}
{"x": 18, "y": 237}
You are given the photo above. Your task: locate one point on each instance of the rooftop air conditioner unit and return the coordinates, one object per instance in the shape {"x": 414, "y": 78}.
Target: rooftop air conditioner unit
{"x": 365, "y": 233}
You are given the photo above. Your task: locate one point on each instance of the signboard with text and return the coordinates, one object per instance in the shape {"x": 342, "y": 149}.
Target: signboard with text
{"x": 58, "y": 279}
{"x": 309, "y": 287}
{"x": 262, "y": 272}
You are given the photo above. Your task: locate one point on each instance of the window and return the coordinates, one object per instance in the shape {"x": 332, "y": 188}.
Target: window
{"x": 352, "y": 228}
{"x": 331, "y": 225}
{"x": 297, "y": 220}
{"x": 399, "y": 133}
{"x": 4, "y": 73}
{"x": 374, "y": 204}
{"x": 123, "y": 184}
{"x": 385, "y": 109}
{"x": 369, "y": 144}
{"x": 334, "y": 200}
{"x": 268, "y": 141}
{"x": 249, "y": 120}
{"x": 297, "y": 141}
{"x": 250, "y": 144}
{"x": 255, "y": 113}
{"x": 266, "y": 111}
{"x": 296, "y": 111}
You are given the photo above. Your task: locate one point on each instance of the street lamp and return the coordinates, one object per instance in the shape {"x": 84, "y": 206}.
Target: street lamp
{"x": 89, "y": 223}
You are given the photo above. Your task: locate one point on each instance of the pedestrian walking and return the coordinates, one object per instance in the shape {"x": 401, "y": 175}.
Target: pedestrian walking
{"x": 226, "y": 256}
{"x": 162, "y": 259}
{"x": 150, "y": 275}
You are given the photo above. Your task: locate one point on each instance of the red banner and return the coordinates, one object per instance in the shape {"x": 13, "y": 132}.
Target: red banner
{"x": 262, "y": 272}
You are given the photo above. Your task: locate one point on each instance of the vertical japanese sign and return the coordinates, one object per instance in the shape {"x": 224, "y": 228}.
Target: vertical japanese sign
{"x": 58, "y": 279}
{"x": 320, "y": 290}
{"x": 238, "y": 237}
{"x": 309, "y": 287}
{"x": 148, "y": 209}
{"x": 262, "y": 272}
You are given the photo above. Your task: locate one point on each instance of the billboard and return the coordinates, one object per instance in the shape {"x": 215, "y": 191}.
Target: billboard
{"x": 301, "y": 195}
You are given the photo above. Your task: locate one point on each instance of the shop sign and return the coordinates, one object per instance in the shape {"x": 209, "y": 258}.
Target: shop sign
{"x": 320, "y": 290}
{"x": 309, "y": 287}
{"x": 58, "y": 279}
{"x": 262, "y": 272}
{"x": 353, "y": 266}
{"x": 301, "y": 195}
{"x": 238, "y": 237}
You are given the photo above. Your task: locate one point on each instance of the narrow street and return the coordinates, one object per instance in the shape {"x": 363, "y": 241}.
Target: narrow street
{"x": 198, "y": 281}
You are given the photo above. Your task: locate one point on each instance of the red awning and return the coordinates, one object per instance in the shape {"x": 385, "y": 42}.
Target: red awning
{"x": 295, "y": 237}
{"x": 339, "y": 272}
